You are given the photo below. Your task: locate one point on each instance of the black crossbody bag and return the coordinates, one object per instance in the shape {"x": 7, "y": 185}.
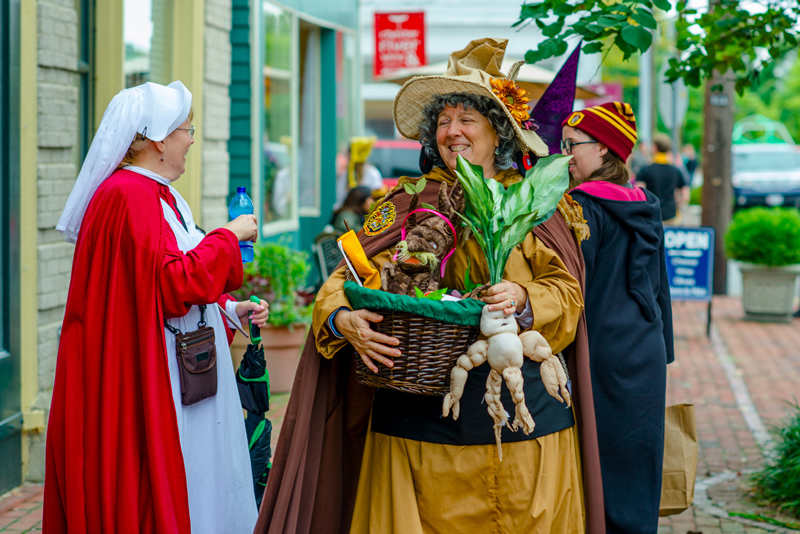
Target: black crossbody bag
{"x": 197, "y": 361}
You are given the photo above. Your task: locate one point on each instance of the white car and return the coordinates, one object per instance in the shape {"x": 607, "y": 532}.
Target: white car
{"x": 766, "y": 174}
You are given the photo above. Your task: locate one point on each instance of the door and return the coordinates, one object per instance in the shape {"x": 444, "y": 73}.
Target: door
{"x": 10, "y": 410}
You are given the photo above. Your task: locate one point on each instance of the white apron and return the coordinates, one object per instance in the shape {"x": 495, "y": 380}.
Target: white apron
{"x": 212, "y": 433}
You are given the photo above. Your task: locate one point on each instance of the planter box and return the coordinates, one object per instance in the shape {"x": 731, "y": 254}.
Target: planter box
{"x": 768, "y": 292}
{"x": 282, "y": 350}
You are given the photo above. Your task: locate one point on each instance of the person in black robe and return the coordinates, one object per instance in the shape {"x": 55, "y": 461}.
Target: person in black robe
{"x": 628, "y": 314}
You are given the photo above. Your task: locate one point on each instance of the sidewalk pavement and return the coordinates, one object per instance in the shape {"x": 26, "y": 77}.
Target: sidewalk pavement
{"x": 739, "y": 381}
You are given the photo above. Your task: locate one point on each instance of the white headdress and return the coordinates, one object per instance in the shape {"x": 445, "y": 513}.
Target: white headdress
{"x": 150, "y": 109}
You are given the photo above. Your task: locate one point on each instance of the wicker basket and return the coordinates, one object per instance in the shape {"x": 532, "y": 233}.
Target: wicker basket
{"x": 429, "y": 347}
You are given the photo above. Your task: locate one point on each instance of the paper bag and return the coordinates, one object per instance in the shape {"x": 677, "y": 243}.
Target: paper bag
{"x": 680, "y": 459}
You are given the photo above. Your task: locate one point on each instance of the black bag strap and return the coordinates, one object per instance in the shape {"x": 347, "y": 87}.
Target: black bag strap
{"x": 200, "y": 324}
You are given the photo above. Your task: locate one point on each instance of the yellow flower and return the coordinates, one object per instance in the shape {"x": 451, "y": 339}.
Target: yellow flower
{"x": 515, "y": 98}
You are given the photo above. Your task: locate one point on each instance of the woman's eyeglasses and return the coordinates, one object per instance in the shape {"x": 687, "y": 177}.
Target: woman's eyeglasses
{"x": 567, "y": 144}
{"x": 191, "y": 132}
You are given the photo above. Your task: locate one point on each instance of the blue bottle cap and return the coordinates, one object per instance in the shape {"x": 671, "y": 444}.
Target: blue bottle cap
{"x": 241, "y": 189}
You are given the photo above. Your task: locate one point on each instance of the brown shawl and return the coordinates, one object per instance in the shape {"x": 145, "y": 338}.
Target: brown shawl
{"x": 314, "y": 477}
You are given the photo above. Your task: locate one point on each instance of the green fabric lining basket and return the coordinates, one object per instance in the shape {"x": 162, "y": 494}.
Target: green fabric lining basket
{"x": 466, "y": 312}
{"x": 432, "y": 334}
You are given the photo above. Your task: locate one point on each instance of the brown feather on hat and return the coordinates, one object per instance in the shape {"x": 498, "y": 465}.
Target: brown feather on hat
{"x": 470, "y": 70}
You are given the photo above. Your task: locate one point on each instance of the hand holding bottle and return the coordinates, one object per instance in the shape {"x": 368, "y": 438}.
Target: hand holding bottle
{"x": 244, "y": 227}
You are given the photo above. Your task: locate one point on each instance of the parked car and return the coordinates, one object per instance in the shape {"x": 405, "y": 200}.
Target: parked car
{"x": 395, "y": 158}
{"x": 766, "y": 175}
{"x": 766, "y": 164}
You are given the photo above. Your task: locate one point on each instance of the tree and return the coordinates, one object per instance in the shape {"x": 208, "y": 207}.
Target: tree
{"x": 726, "y": 46}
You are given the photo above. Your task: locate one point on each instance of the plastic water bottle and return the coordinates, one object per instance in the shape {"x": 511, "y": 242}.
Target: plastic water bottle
{"x": 242, "y": 205}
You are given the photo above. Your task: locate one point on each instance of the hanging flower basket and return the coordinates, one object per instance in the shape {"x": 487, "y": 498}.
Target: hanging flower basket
{"x": 432, "y": 334}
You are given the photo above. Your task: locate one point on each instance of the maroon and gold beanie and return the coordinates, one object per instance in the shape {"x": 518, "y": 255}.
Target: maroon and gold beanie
{"x": 612, "y": 123}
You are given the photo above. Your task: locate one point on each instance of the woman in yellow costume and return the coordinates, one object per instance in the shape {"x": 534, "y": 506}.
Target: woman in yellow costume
{"x": 351, "y": 458}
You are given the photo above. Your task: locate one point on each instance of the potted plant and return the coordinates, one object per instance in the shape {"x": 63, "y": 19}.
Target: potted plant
{"x": 766, "y": 242}
{"x": 278, "y": 275}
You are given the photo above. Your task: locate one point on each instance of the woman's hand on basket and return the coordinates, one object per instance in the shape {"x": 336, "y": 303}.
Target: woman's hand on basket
{"x": 507, "y": 296}
{"x": 370, "y": 345}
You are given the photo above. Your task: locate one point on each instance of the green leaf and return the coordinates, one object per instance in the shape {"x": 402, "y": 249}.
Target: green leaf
{"x": 409, "y": 189}
{"x": 469, "y": 285}
{"x": 626, "y": 49}
{"x": 663, "y": 5}
{"x": 637, "y": 37}
{"x": 420, "y": 186}
{"x": 428, "y": 206}
{"x": 419, "y": 293}
{"x": 645, "y": 18}
{"x": 550, "y": 177}
{"x": 593, "y": 48}
{"x": 436, "y": 295}
{"x": 554, "y": 29}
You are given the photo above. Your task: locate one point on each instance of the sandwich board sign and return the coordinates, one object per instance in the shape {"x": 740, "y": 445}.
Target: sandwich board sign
{"x": 690, "y": 264}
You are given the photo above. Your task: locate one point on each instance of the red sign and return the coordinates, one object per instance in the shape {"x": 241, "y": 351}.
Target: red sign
{"x": 399, "y": 42}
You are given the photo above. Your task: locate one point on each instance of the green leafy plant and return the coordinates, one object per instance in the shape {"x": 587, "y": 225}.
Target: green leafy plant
{"x": 765, "y": 236}
{"x": 779, "y": 482}
{"x": 500, "y": 218}
{"x": 726, "y": 36}
{"x": 278, "y": 275}
{"x": 696, "y": 196}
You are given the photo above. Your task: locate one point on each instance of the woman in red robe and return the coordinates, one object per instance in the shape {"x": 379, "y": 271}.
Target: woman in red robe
{"x": 123, "y": 453}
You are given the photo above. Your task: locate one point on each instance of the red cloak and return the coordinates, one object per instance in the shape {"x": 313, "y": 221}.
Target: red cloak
{"x": 114, "y": 461}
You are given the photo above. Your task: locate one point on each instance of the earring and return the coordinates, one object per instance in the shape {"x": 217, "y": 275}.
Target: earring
{"x": 496, "y": 151}
{"x": 162, "y": 159}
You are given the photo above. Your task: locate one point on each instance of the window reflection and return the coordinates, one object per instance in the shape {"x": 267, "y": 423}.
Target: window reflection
{"x": 146, "y": 37}
{"x": 277, "y": 136}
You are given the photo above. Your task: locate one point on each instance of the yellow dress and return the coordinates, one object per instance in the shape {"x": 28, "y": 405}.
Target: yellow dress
{"x": 408, "y": 486}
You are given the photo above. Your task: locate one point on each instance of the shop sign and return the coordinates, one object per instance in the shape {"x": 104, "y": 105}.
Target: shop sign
{"x": 399, "y": 42}
{"x": 606, "y": 92}
{"x": 690, "y": 262}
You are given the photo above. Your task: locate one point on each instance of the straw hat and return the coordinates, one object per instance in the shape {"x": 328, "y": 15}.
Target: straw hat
{"x": 475, "y": 70}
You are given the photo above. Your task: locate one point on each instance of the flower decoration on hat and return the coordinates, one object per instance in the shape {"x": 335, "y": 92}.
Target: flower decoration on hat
{"x": 514, "y": 98}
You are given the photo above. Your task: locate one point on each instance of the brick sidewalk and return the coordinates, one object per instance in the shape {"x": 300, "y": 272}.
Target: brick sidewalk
{"x": 21, "y": 509}
{"x": 767, "y": 356}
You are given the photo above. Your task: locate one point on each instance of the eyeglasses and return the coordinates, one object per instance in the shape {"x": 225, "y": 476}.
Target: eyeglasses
{"x": 192, "y": 129}
{"x": 567, "y": 144}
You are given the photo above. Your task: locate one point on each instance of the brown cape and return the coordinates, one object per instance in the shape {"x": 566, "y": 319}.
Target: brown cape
{"x": 314, "y": 477}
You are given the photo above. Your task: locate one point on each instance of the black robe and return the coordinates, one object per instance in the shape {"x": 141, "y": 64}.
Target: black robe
{"x": 629, "y": 321}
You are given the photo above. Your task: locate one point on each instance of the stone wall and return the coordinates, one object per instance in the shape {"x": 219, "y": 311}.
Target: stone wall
{"x": 55, "y": 175}
{"x": 216, "y": 113}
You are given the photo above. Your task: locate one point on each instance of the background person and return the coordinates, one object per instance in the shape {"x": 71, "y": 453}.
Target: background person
{"x": 665, "y": 180}
{"x": 124, "y": 454}
{"x": 355, "y": 208}
{"x": 358, "y": 171}
{"x": 628, "y": 313}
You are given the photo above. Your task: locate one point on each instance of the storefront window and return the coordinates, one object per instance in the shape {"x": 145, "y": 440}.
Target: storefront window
{"x": 308, "y": 160}
{"x": 83, "y": 9}
{"x": 147, "y": 41}
{"x": 278, "y": 181}
{"x": 345, "y": 97}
